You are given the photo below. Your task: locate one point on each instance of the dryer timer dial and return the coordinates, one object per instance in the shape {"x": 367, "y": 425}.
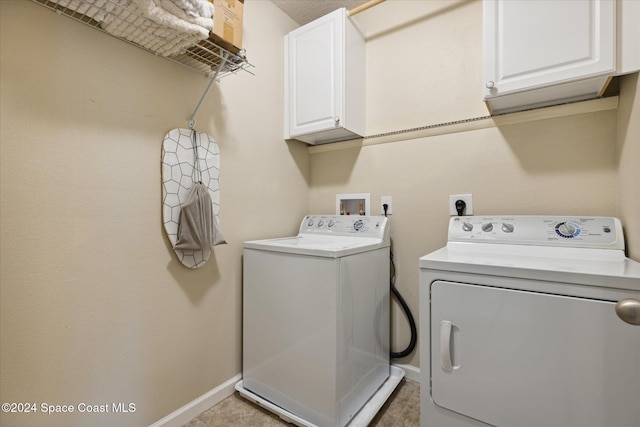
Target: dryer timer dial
{"x": 567, "y": 230}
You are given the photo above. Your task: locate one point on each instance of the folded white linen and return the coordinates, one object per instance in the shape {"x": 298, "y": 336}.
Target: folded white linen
{"x": 196, "y": 8}
{"x": 148, "y": 24}
{"x": 94, "y": 9}
{"x": 171, "y": 7}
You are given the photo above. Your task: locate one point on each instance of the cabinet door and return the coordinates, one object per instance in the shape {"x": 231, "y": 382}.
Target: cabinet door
{"x": 532, "y": 44}
{"x": 523, "y": 359}
{"x": 315, "y": 63}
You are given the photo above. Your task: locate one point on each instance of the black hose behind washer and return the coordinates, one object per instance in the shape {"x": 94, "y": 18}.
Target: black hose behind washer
{"x": 412, "y": 323}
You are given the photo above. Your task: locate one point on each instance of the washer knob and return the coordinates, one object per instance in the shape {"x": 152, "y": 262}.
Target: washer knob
{"x": 507, "y": 228}
{"x": 487, "y": 227}
{"x": 310, "y": 223}
{"x": 331, "y": 223}
{"x": 566, "y": 230}
{"x": 467, "y": 226}
{"x": 320, "y": 223}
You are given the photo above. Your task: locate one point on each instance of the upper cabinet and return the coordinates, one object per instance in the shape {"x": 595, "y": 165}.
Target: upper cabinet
{"x": 325, "y": 80}
{"x": 539, "y": 53}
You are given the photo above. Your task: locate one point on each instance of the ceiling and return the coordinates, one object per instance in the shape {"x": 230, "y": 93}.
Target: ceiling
{"x": 305, "y": 11}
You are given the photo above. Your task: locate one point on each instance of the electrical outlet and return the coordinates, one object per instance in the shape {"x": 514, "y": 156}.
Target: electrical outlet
{"x": 385, "y": 200}
{"x": 468, "y": 200}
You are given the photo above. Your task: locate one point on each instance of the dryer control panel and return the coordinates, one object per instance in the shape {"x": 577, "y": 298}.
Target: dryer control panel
{"x": 575, "y": 232}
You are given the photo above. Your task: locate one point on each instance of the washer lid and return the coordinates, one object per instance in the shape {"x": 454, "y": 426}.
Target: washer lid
{"x": 317, "y": 245}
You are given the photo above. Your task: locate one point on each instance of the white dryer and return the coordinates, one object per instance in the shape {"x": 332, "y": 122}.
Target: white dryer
{"x": 529, "y": 321}
{"x": 316, "y": 322}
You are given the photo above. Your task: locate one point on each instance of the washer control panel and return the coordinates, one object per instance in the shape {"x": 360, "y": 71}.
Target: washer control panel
{"x": 345, "y": 225}
{"x": 588, "y": 232}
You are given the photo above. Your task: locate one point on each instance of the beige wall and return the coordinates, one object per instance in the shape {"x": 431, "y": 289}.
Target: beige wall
{"x": 629, "y": 161}
{"x": 95, "y": 308}
{"x": 556, "y": 166}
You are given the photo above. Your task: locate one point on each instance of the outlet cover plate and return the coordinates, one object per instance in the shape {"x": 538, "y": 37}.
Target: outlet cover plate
{"x": 468, "y": 199}
{"x": 386, "y": 200}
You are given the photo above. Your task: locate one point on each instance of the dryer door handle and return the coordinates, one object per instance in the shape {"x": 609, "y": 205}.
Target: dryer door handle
{"x": 628, "y": 310}
{"x": 445, "y": 346}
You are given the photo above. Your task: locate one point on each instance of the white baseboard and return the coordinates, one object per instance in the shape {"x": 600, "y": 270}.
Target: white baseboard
{"x": 197, "y": 406}
{"x": 183, "y": 415}
{"x": 410, "y": 372}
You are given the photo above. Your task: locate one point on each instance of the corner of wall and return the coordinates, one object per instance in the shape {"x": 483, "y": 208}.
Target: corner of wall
{"x": 628, "y": 149}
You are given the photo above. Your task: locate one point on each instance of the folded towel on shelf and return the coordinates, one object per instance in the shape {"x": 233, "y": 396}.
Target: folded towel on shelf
{"x": 195, "y": 8}
{"x": 151, "y": 25}
{"x": 94, "y": 9}
{"x": 175, "y": 7}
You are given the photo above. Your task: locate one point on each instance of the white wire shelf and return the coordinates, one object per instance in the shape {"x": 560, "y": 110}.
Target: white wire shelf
{"x": 204, "y": 56}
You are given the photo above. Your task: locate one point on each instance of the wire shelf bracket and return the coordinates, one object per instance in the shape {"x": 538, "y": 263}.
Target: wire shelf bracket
{"x": 191, "y": 119}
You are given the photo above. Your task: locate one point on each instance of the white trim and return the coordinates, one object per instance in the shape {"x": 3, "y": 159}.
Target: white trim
{"x": 183, "y": 415}
{"x": 410, "y": 372}
{"x": 566, "y": 110}
{"x": 197, "y": 406}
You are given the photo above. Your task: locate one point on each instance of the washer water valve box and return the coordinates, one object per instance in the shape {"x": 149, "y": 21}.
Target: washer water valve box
{"x": 353, "y": 204}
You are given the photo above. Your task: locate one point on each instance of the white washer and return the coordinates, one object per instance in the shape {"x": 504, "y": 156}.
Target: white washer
{"x": 316, "y": 322}
{"x": 519, "y": 325}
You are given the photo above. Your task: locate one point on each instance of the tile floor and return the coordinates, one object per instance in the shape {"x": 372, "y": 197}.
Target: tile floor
{"x": 401, "y": 410}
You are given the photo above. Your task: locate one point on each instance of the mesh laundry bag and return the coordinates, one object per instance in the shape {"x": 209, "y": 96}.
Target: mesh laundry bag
{"x": 198, "y": 228}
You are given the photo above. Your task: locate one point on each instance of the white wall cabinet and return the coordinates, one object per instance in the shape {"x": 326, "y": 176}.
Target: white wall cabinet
{"x": 539, "y": 53}
{"x": 325, "y": 80}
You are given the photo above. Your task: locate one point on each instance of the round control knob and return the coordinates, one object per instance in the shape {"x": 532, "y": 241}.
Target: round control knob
{"x": 490, "y": 84}
{"x": 320, "y": 223}
{"x": 358, "y": 225}
{"x": 310, "y": 223}
{"x": 567, "y": 230}
{"x": 487, "y": 227}
{"x": 331, "y": 223}
{"x": 467, "y": 226}
{"x": 507, "y": 228}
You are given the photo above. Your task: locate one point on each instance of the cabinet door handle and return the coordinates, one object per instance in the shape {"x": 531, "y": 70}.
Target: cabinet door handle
{"x": 490, "y": 84}
{"x": 629, "y": 310}
{"x": 445, "y": 346}
{"x": 337, "y": 120}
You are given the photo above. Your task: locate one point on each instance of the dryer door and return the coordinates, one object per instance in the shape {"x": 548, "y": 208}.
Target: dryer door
{"x": 514, "y": 358}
